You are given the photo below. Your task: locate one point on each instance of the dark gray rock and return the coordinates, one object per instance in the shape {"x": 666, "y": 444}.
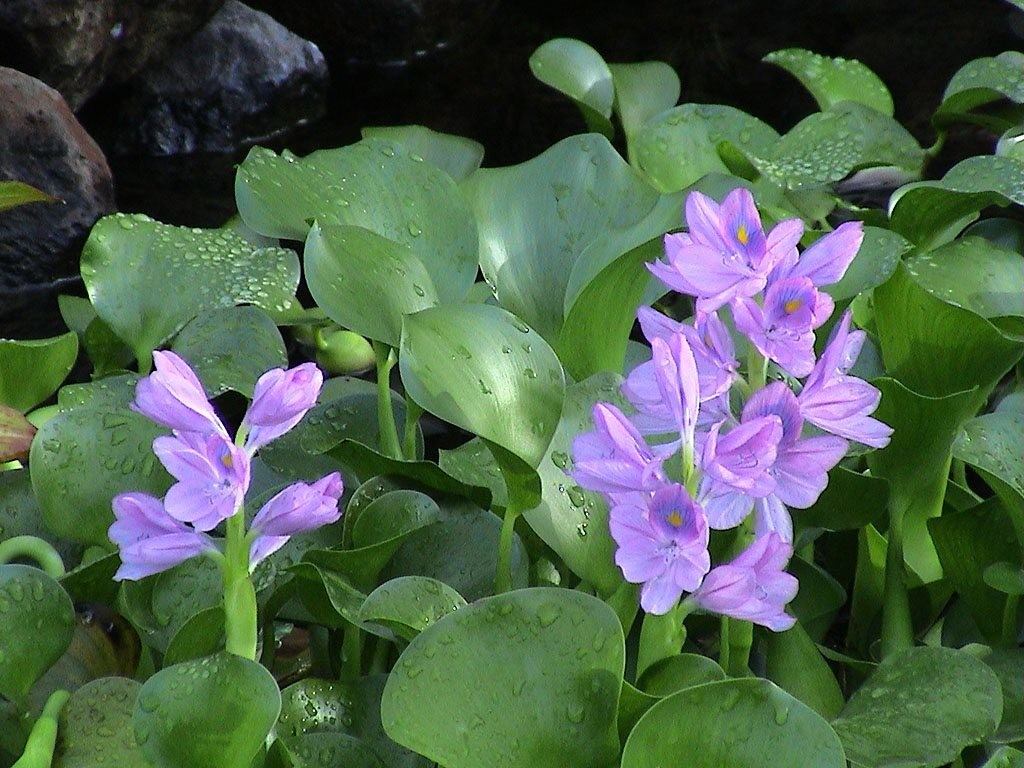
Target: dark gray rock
{"x": 43, "y": 144}
{"x": 242, "y": 78}
{"x": 380, "y": 31}
{"x": 79, "y": 45}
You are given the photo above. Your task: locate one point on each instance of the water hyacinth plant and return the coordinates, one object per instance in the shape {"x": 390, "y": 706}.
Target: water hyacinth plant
{"x": 658, "y": 448}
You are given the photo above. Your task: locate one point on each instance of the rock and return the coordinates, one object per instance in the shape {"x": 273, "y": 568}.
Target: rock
{"x": 380, "y": 31}
{"x": 42, "y": 143}
{"x": 78, "y": 45}
{"x": 242, "y": 78}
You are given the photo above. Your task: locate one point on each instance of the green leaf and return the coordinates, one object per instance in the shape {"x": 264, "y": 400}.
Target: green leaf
{"x": 981, "y": 82}
{"x": 96, "y": 726}
{"x": 89, "y": 453}
{"x": 512, "y": 675}
{"x": 642, "y": 90}
{"x": 147, "y": 279}
{"x": 506, "y": 383}
{"x": 968, "y": 542}
{"x": 105, "y": 350}
{"x": 31, "y": 371}
{"x": 202, "y": 635}
{"x": 794, "y": 663}
{"x": 1006, "y": 757}
{"x": 1008, "y": 664}
{"x": 212, "y": 711}
{"x": 455, "y": 155}
{"x": 930, "y": 213}
{"x": 921, "y": 707}
{"x": 409, "y": 604}
{"x": 574, "y": 68}
{"x": 747, "y": 723}
{"x": 992, "y": 443}
{"x": 679, "y": 146}
{"x": 828, "y": 146}
{"x": 819, "y": 599}
{"x": 29, "y": 602}
{"x": 377, "y": 184}
{"x": 20, "y": 514}
{"x": 321, "y": 750}
{"x": 231, "y": 348}
{"x": 347, "y": 707}
{"x": 675, "y": 673}
{"x": 1005, "y": 577}
{"x": 366, "y": 282}
{"x": 15, "y": 193}
{"x": 849, "y": 501}
{"x": 538, "y": 219}
{"x": 877, "y": 259}
{"x": 832, "y": 81}
{"x": 974, "y": 274}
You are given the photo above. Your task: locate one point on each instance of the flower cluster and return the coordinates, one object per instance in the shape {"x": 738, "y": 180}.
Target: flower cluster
{"x": 749, "y": 451}
{"x": 212, "y": 470}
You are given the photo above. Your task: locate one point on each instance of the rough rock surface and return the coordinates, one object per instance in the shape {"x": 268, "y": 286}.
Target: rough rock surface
{"x": 243, "y": 77}
{"x": 42, "y": 143}
{"x": 78, "y": 45}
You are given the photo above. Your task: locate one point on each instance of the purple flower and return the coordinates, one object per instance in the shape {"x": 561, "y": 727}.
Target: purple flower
{"x": 801, "y": 466}
{"x": 298, "y": 508}
{"x": 665, "y": 390}
{"x": 212, "y": 474}
{"x": 280, "y": 400}
{"x": 828, "y": 258}
{"x": 663, "y": 545}
{"x": 726, "y": 254}
{"x": 839, "y": 403}
{"x": 753, "y": 587}
{"x": 710, "y": 342}
{"x": 783, "y": 330}
{"x": 736, "y": 468}
{"x": 149, "y": 539}
{"x": 173, "y": 397}
{"x": 614, "y": 458}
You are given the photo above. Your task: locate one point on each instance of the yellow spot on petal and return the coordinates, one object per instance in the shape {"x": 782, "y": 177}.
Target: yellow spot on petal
{"x": 792, "y": 306}
{"x": 674, "y": 518}
{"x": 742, "y": 235}
{"x": 227, "y": 460}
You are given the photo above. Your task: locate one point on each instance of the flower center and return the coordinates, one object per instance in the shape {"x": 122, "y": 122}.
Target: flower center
{"x": 742, "y": 235}
{"x": 792, "y": 306}
{"x": 227, "y": 460}
{"x": 675, "y": 518}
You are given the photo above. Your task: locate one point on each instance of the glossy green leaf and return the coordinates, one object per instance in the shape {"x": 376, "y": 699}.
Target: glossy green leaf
{"x": 747, "y": 723}
{"x": 794, "y": 663}
{"x": 968, "y": 542}
{"x": 31, "y": 371}
{"x": 1008, "y": 664}
{"x": 819, "y": 599}
{"x": 577, "y": 70}
{"x": 20, "y": 514}
{"x": 675, "y": 673}
{"x": 643, "y": 90}
{"x": 1005, "y": 757}
{"x": 538, "y": 219}
{"x": 147, "y": 279}
{"x": 321, "y": 750}
{"x": 105, "y": 350}
{"x": 828, "y": 146}
{"x": 30, "y": 601}
{"x": 409, "y": 604}
{"x": 877, "y": 259}
{"x": 15, "y": 193}
{"x": 974, "y": 274}
{"x": 89, "y": 453}
{"x": 231, "y": 348}
{"x": 832, "y": 81}
{"x": 849, "y": 501}
{"x": 212, "y": 711}
{"x": 1005, "y": 577}
{"x": 347, "y": 707}
{"x": 455, "y": 155}
{"x": 366, "y": 282}
{"x": 677, "y": 147}
{"x": 513, "y": 675}
{"x": 981, "y": 82}
{"x": 930, "y": 213}
{"x": 920, "y": 707}
{"x": 377, "y": 184}
{"x": 992, "y": 443}
{"x": 483, "y": 369}
{"x": 96, "y": 726}
{"x": 202, "y": 635}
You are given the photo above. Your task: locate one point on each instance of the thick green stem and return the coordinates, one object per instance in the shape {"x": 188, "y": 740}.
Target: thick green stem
{"x": 240, "y": 625}
{"x": 38, "y": 752}
{"x": 37, "y": 549}
{"x": 412, "y": 421}
{"x": 351, "y": 653}
{"x": 1011, "y": 621}
{"x": 897, "y": 627}
{"x": 741, "y": 633}
{"x": 723, "y": 642}
{"x": 503, "y": 580}
{"x": 385, "y": 413}
{"x": 757, "y": 369}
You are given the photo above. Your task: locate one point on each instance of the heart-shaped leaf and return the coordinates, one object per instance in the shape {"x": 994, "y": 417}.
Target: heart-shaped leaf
{"x": 31, "y": 371}
{"x": 982, "y": 82}
{"x": 96, "y": 726}
{"x": 832, "y": 80}
{"x": 410, "y": 604}
{"x": 455, "y": 155}
{"x": 577, "y": 70}
{"x": 642, "y": 90}
{"x": 511, "y": 676}
{"x": 212, "y": 711}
